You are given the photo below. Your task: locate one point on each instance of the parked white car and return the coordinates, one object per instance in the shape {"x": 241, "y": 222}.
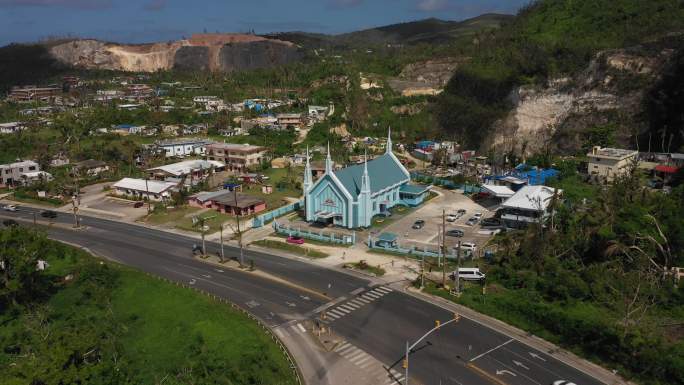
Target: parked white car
{"x": 468, "y": 274}
{"x": 10, "y": 208}
{"x": 469, "y": 246}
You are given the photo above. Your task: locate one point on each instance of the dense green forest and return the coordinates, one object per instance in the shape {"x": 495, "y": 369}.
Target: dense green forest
{"x": 592, "y": 280}
{"x": 548, "y": 38}
{"x": 86, "y": 321}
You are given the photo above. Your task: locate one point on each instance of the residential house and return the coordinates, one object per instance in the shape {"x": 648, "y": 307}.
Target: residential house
{"x": 192, "y": 170}
{"x": 33, "y": 93}
{"x": 236, "y": 156}
{"x": 59, "y": 160}
{"x": 90, "y": 167}
{"x": 31, "y": 177}
{"x": 230, "y": 131}
{"x": 11, "y": 127}
{"x": 530, "y": 204}
{"x": 11, "y": 174}
{"x": 229, "y": 202}
{"x": 144, "y": 189}
{"x": 184, "y": 147}
{"x": 286, "y": 120}
{"x": 320, "y": 113}
{"x": 195, "y": 129}
{"x": 605, "y": 164}
{"x": 127, "y": 129}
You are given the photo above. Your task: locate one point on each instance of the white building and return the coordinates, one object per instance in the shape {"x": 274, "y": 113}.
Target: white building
{"x": 144, "y": 189}
{"x": 530, "y": 204}
{"x": 604, "y": 164}
{"x": 197, "y": 168}
{"x": 11, "y": 127}
{"x": 184, "y": 147}
{"x": 11, "y": 174}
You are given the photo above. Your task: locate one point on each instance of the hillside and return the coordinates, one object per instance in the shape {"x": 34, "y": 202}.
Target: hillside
{"x": 213, "y": 52}
{"x": 430, "y": 31}
{"x": 575, "y": 66}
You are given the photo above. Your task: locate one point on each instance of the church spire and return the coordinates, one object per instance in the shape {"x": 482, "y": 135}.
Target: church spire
{"x": 328, "y": 162}
{"x": 365, "y": 180}
{"x": 308, "y": 182}
{"x": 388, "y": 147}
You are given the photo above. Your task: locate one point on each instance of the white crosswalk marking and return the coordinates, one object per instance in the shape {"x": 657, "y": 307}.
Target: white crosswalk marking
{"x": 332, "y": 316}
{"x": 385, "y": 289}
{"x": 341, "y": 346}
{"x": 374, "y": 295}
{"x": 356, "y": 302}
{"x": 356, "y": 354}
{"x": 301, "y": 328}
{"x": 346, "y": 307}
{"x": 346, "y": 349}
{"x": 378, "y": 292}
{"x": 364, "y": 360}
{"x": 360, "y": 299}
{"x": 354, "y": 305}
{"x": 369, "y": 297}
{"x": 336, "y": 313}
{"x": 342, "y": 310}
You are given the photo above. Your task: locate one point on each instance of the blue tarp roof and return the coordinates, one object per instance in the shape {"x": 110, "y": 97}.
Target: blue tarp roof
{"x": 124, "y": 126}
{"x": 383, "y": 172}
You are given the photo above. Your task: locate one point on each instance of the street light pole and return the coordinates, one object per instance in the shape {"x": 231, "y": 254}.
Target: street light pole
{"x": 237, "y": 218}
{"x": 222, "y": 255}
{"x": 438, "y": 325}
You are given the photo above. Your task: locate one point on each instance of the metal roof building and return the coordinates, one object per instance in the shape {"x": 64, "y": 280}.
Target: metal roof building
{"x": 352, "y": 196}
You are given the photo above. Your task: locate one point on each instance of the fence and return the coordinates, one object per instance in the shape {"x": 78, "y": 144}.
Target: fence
{"x": 263, "y": 219}
{"x": 330, "y": 237}
{"x": 447, "y": 183}
{"x": 416, "y": 251}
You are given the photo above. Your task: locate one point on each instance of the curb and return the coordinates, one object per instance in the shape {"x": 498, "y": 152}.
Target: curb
{"x": 566, "y": 357}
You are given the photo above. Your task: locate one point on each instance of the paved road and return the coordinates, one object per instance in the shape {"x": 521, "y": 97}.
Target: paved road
{"x": 377, "y": 322}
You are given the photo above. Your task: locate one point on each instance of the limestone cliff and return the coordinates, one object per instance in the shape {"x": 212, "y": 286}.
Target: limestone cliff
{"x": 557, "y": 115}
{"x": 215, "y": 52}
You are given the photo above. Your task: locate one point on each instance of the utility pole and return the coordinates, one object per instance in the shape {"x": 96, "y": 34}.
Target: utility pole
{"x": 237, "y": 218}
{"x": 147, "y": 190}
{"x": 444, "y": 249}
{"x": 75, "y": 200}
{"x": 458, "y": 266}
{"x": 222, "y": 255}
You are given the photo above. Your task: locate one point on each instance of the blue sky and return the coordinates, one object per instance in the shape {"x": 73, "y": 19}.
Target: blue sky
{"x": 136, "y": 21}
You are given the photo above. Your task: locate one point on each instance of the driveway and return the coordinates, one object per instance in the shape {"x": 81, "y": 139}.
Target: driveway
{"x": 431, "y": 212}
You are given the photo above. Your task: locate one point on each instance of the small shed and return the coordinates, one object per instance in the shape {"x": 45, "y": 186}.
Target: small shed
{"x": 386, "y": 240}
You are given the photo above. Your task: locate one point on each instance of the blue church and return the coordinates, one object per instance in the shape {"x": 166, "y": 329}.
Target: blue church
{"x": 352, "y": 196}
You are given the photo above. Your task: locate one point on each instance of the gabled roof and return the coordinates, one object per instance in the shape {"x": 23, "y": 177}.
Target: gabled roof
{"x": 536, "y": 198}
{"x": 153, "y": 186}
{"x": 383, "y": 172}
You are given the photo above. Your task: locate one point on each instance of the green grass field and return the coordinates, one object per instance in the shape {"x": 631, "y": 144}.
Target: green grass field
{"x": 112, "y": 324}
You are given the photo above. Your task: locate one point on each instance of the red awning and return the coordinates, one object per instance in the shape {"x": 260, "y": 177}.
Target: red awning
{"x": 666, "y": 169}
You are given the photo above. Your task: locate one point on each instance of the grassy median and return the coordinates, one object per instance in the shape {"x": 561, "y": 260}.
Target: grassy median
{"x": 290, "y": 248}
{"x": 108, "y": 324}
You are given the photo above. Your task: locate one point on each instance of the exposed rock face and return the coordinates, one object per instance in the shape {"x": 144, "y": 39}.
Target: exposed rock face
{"x": 260, "y": 54}
{"x": 609, "y": 91}
{"x": 425, "y": 78}
{"x": 215, "y": 52}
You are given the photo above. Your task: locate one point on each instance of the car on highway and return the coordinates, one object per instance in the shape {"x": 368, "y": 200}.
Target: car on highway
{"x": 295, "y": 239}
{"x": 10, "y": 222}
{"x": 468, "y": 274}
{"x": 472, "y": 221}
{"x": 48, "y": 214}
{"x": 455, "y": 233}
{"x": 419, "y": 224}
{"x": 562, "y": 382}
{"x": 10, "y": 208}
{"x": 138, "y": 204}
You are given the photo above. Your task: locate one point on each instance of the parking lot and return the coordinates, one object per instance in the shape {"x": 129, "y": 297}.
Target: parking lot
{"x": 118, "y": 208}
{"x": 431, "y": 212}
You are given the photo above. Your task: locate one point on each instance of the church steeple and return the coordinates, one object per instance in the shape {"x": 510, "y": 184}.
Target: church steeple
{"x": 388, "y": 147}
{"x": 308, "y": 181}
{"x": 328, "y": 162}
{"x": 365, "y": 180}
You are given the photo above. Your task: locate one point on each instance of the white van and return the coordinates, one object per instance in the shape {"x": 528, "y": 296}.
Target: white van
{"x": 469, "y": 274}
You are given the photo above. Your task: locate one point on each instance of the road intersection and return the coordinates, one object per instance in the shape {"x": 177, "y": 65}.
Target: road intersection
{"x": 374, "y": 320}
